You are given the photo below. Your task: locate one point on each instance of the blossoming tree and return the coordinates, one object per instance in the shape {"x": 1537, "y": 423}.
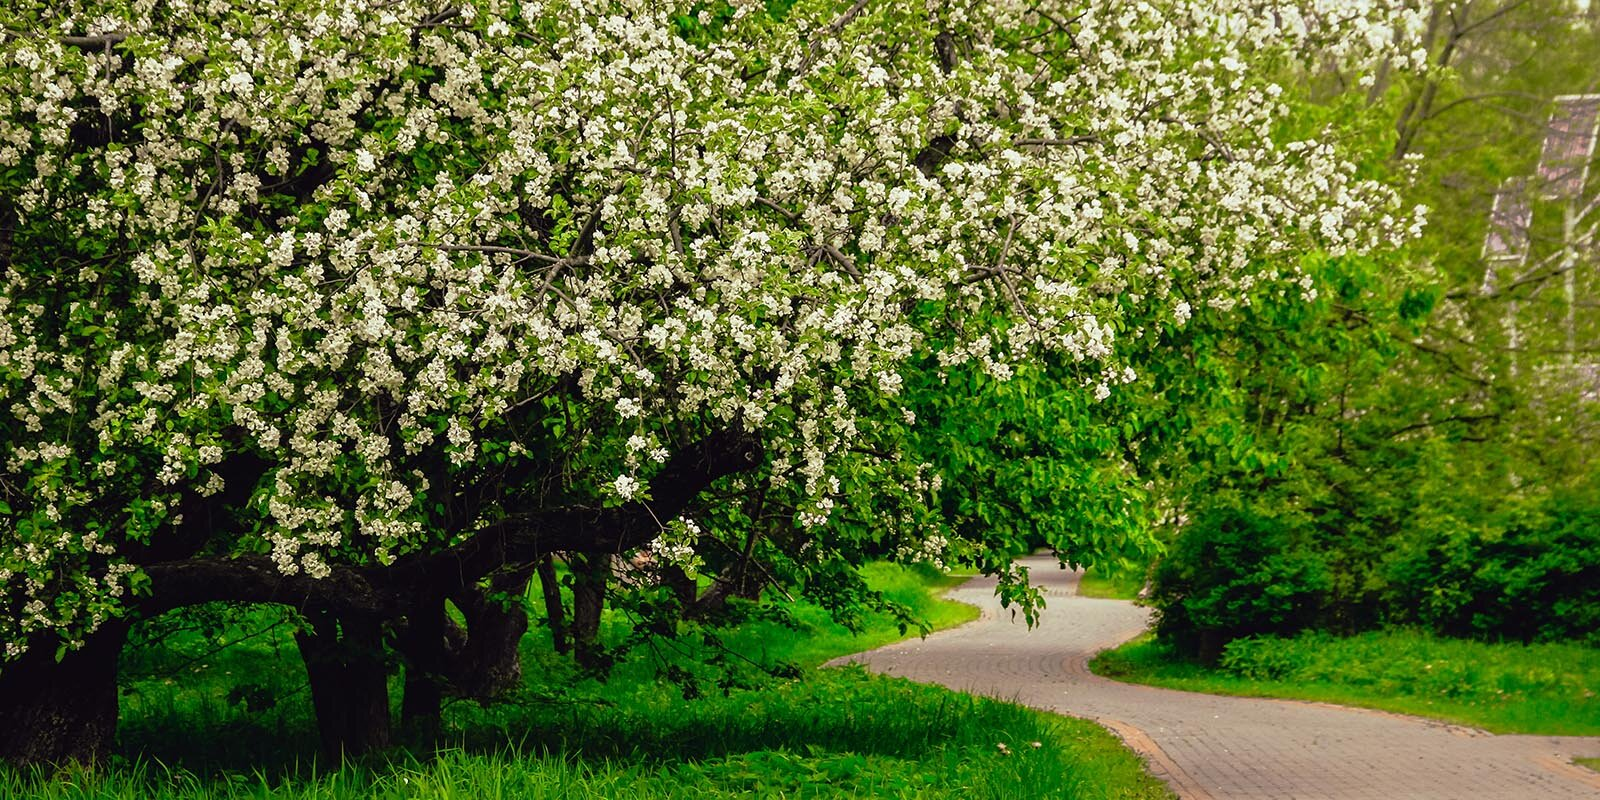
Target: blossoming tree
{"x": 350, "y": 306}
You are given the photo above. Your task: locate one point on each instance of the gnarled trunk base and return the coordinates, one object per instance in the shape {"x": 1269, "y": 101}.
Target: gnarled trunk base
{"x": 56, "y": 713}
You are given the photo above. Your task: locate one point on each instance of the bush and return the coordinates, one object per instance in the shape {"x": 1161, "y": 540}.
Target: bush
{"x": 1236, "y": 573}
{"x": 1534, "y": 577}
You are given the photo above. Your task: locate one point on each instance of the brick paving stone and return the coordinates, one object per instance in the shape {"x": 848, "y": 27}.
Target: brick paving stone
{"x": 1210, "y": 747}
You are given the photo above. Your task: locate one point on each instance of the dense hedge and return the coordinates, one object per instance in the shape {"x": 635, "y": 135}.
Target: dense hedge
{"x": 1528, "y": 574}
{"x": 1235, "y": 573}
{"x": 1535, "y": 578}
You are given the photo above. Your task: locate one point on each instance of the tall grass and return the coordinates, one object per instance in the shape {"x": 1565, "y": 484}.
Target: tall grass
{"x": 191, "y": 733}
{"x": 1502, "y": 687}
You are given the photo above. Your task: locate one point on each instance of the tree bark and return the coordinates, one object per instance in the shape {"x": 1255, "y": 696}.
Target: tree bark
{"x": 349, "y": 683}
{"x": 424, "y": 646}
{"x": 589, "y": 575}
{"x": 58, "y": 713}
{"x": 489, "y": 663}
{"x": 554, "y": 610}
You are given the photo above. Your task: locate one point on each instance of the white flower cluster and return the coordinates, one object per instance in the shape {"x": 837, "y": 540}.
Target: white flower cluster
{"x": 371, "y": 244}
{"x": 675, "y": 545}
{"x": 932, "y": 550}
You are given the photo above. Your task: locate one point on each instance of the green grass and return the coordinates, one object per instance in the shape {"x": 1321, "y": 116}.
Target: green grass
{"x": 1504, "y": 688}
{"x": 1113, "y": 586}
{"x": 189, "y": 733}
{"x": 1591, "y": 763}
{"x": 840, "y": 734}
{"x": 820, "y": 639}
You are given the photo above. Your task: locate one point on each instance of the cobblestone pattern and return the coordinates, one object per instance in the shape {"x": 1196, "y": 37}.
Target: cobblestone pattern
{"x": 1210, "y": 747}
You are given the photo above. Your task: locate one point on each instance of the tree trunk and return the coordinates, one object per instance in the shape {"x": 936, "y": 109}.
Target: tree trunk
{"x": 57, "y": 713}
{"x": 349, "y": 683}
{"x": 554, "y": 610}
{"x": 590, "y": 571}
{"x": 682, "y": 586}
{"x": 490, "y": 663}
{"x": 425, "y": 651}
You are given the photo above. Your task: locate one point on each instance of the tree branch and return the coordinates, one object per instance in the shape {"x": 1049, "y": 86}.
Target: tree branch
{"x": 97, "y": 42}
{"x": 520, "y": 538}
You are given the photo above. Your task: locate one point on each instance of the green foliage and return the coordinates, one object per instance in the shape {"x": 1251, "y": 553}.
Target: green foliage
{"x": 1507, "y": 688}
{"x": 1532, "y": 574}
{"x": 1236, "y": 573}
{"x": 1387, "y": 552}
{"x": 1399, "y": 464}
{"x": 1276, "y": 437}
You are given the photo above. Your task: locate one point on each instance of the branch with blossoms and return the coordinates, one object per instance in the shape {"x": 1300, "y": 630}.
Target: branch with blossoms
{"x": 521, "y": 537}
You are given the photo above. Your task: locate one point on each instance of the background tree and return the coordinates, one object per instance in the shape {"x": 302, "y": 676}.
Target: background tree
{"x": 1423, "y": 461}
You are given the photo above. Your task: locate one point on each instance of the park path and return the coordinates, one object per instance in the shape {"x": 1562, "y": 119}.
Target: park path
{"x": 1210, "y": 747}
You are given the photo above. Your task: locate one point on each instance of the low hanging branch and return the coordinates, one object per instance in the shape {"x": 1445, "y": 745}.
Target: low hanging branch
{"x": 517, "y": 539}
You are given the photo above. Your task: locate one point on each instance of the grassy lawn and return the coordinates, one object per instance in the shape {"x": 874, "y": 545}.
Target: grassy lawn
{"x": 203, "y": 723}
{"x": 1591, "y": 763}
{"x": 820, "y": 639}
{"x": 1113, "y": 586}
{"x": 1505, "y": 688}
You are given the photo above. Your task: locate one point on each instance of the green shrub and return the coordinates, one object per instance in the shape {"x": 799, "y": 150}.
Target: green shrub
{"x": 1534, "y": 577}
{"x": 1266, "y": 658}
{"x": 1236, "y": 573}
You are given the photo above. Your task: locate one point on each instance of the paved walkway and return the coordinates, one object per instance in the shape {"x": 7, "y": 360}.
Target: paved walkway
{"x": 1210, "y": 747}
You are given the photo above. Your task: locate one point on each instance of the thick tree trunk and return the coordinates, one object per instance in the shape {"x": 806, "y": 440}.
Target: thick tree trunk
{"x": 490, "y": 663}
{"x": 480, "y": 660}
{"x": 56, "y": 713}
{"x": 425, "y": 649}
{"x": 349, "y": 683}
{"x": 590, "y": 572}
{"x": 554, "y": 611}
{"x": 421, "y": 706}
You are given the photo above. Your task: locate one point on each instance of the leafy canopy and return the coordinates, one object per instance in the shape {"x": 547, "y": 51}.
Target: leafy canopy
{"x": 382, "y": 276}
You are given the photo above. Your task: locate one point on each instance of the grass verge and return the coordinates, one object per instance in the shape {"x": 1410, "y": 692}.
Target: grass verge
{"x": 832, "y": 733}
{"x": 1504, "y": 688}
{"x": 1110, "y": 586}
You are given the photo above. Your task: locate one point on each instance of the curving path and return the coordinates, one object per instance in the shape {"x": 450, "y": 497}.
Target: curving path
{"x": 1210, "y": 747}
